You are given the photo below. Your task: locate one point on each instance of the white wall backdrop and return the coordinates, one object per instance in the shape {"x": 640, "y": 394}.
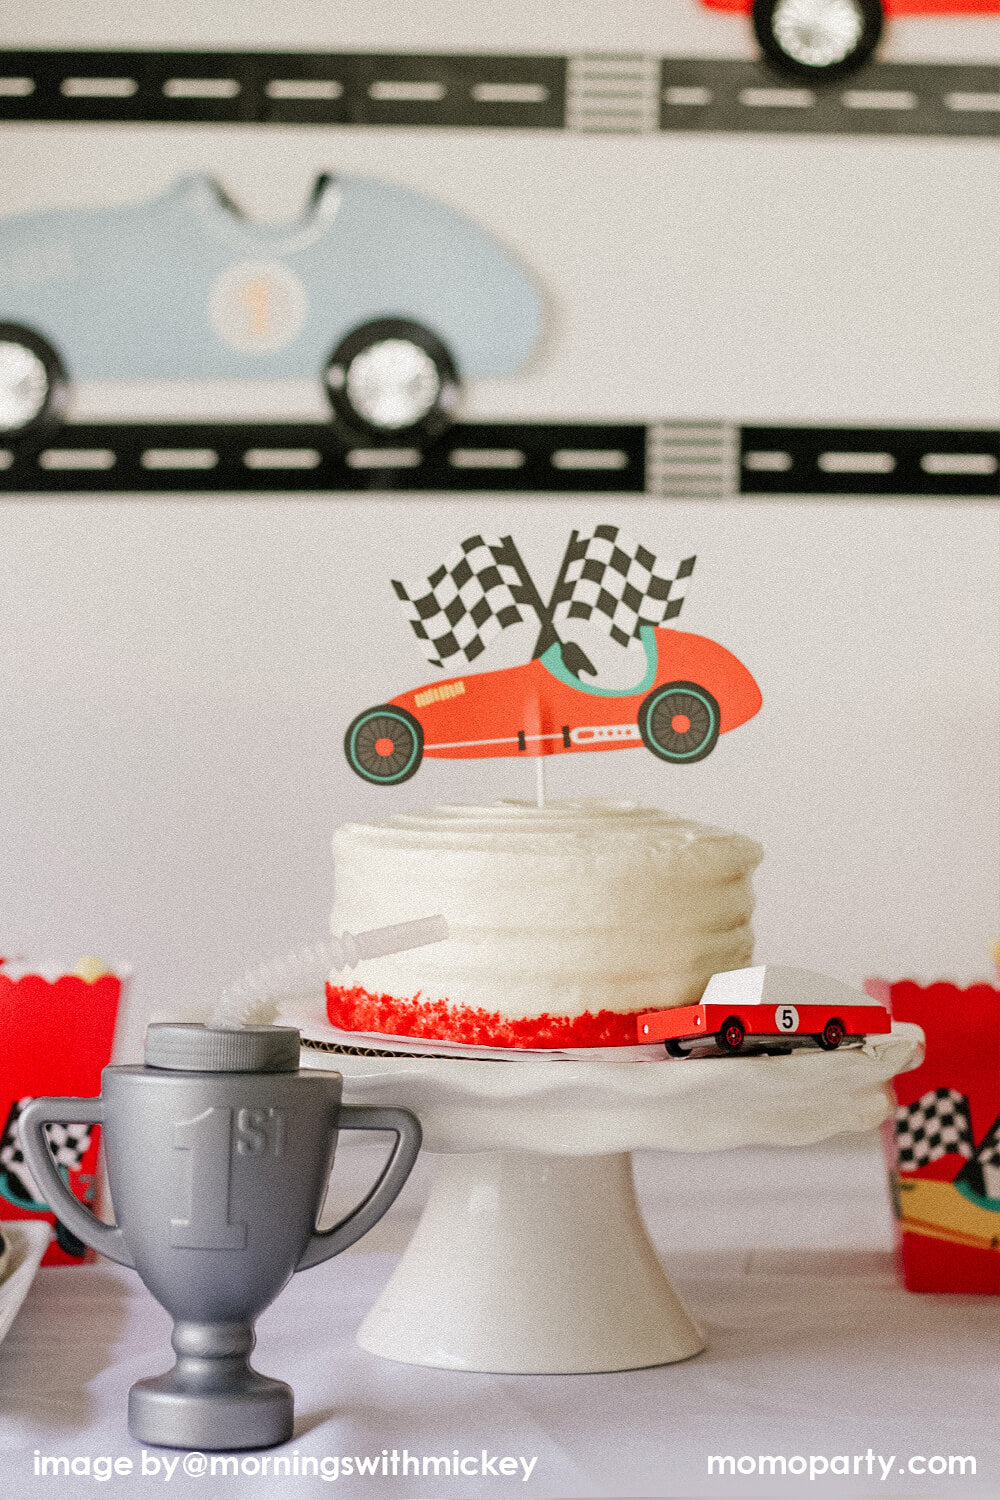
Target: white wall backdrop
{"x": 176, "y": 674}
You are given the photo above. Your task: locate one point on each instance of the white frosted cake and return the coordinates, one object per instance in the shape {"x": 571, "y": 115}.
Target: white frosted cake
{"x": 565, "y": 922}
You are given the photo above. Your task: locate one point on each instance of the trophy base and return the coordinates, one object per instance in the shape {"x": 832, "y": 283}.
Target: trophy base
{"x": 244, "y": 1410}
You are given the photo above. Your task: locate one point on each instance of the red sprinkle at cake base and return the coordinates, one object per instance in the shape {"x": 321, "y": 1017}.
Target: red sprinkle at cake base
{"x": 355, "y": 1009}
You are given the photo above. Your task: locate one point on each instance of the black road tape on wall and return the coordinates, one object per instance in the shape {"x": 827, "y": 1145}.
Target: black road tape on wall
{"x": 673, "y": 460}
{"x": 620, "y": 93}
{"x": 282, "y": 88}
{"x": 253, "y": 457}
{"x": 869, "y": 461}
{"x": 881, "y": 99}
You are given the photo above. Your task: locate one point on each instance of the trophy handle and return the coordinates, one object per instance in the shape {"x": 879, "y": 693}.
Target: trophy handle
{"x": 107, "y": 1238}
{"x": 406, "y": 1126}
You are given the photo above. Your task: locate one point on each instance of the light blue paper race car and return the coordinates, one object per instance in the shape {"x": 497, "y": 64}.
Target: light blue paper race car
{"x": 386, "y": 296}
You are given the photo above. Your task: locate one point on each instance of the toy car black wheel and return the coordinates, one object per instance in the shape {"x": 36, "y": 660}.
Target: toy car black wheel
{"x": 673, "y": 1047}
{"x": 731, "y": 1035}
{"x": 817, "y": 38}
{"x": 392, "y": 379}
{"x": 384, "y": 745}
{"x": 832, "y": 1035}
{"x": 679, "y": 722}
{"x": 33, "y": 383}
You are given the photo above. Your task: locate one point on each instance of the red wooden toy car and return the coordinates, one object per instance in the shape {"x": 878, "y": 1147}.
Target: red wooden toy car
{"x": 693, "y": 690}
{"x": 763, "y": 1006}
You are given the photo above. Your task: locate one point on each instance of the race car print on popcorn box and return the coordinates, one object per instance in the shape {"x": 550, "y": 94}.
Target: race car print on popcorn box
{"x": 386, "y": 297}
{"x": 692, "y": 691}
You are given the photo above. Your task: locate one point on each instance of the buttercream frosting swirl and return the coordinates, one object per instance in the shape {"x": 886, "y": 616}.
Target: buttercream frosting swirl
{"x": 579, "y": 908}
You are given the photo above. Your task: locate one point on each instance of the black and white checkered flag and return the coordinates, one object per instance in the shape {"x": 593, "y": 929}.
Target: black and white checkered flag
{"x": 611, "y": 578}
{"x": 68, "y": 1145}
{"x": 936, "y": 1124}
{"x": 467, "y": 601}
{"x": 982, "y": 1173}
{"x": 988, "y": 1151}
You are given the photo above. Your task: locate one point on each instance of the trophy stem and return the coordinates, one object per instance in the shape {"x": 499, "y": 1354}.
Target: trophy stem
{"x": 212, "y": 1398}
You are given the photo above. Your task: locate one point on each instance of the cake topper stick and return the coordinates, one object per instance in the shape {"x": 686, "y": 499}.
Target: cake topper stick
{"x": 252, "y": 1000}
{"x": 540, "y": 781}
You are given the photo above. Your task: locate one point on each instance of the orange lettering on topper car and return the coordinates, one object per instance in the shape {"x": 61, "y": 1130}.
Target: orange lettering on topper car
{"x": 439, "y": 693}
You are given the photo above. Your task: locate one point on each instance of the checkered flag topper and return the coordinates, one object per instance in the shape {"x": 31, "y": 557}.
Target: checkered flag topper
{"x": 68, "y": 1145}
{"x": 611, "y": 578}
{"x": 468, "y": 600}
{"x": 936, "y": 1124}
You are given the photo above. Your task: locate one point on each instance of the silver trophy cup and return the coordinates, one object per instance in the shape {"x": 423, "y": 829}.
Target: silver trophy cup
{"x": 218, "y": 1154}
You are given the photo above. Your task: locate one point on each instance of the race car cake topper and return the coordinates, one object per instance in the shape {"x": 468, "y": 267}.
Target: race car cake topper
{"x": 692, "y": 689}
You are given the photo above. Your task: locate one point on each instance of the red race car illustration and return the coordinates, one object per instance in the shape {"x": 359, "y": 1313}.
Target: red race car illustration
{"x": 764, "y": 1006}
{"x": 692, "y": 691}
{"x": 829, "y": 38}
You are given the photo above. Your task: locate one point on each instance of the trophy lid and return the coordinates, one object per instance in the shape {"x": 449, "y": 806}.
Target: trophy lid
{"x": 186, "y": 1047}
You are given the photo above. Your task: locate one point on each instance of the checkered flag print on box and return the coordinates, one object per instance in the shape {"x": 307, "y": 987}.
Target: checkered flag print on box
{"x": 988, "y": 1150}
{"x": 612, "y": 579}
{"x": 68, "y": 1145}
{"x": 938, "y": 1123}
{"x": 468, "y": 600}
{"x": 982, "y": 1173}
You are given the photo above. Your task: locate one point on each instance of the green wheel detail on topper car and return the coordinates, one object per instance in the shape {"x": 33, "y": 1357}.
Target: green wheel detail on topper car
{"x": 384, "y": 745}
{"x": 679, "y": 722}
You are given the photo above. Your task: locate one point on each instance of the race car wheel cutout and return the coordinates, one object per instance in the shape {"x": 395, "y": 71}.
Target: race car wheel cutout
{"x": 33, "y": 385}
{"x": 832, "y": 1035}
{"x": 817, "y": 38}
{"x": 673, "y": 1048}
{"x": 392, "y": 379}
{"x": 384, "y": 745}
{"x": 730, "y": 1035}
{"x": 679, "y": 722}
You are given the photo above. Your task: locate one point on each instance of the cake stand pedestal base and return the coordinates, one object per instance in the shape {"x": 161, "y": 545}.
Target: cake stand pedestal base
{"x": 531, "y": 1256}
{"x": 527, "y": 1264}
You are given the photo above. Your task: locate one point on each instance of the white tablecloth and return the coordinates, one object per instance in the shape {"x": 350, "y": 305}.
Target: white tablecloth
{"x": 813, "y": 1350}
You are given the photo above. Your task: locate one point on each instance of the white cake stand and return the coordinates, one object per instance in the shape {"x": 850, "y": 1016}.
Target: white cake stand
{"x": 531, "y": 1256}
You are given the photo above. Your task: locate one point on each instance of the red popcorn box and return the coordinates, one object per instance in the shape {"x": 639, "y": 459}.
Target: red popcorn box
{"x": 944, "y": 1148}
{"x": 57, "y": 1034}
